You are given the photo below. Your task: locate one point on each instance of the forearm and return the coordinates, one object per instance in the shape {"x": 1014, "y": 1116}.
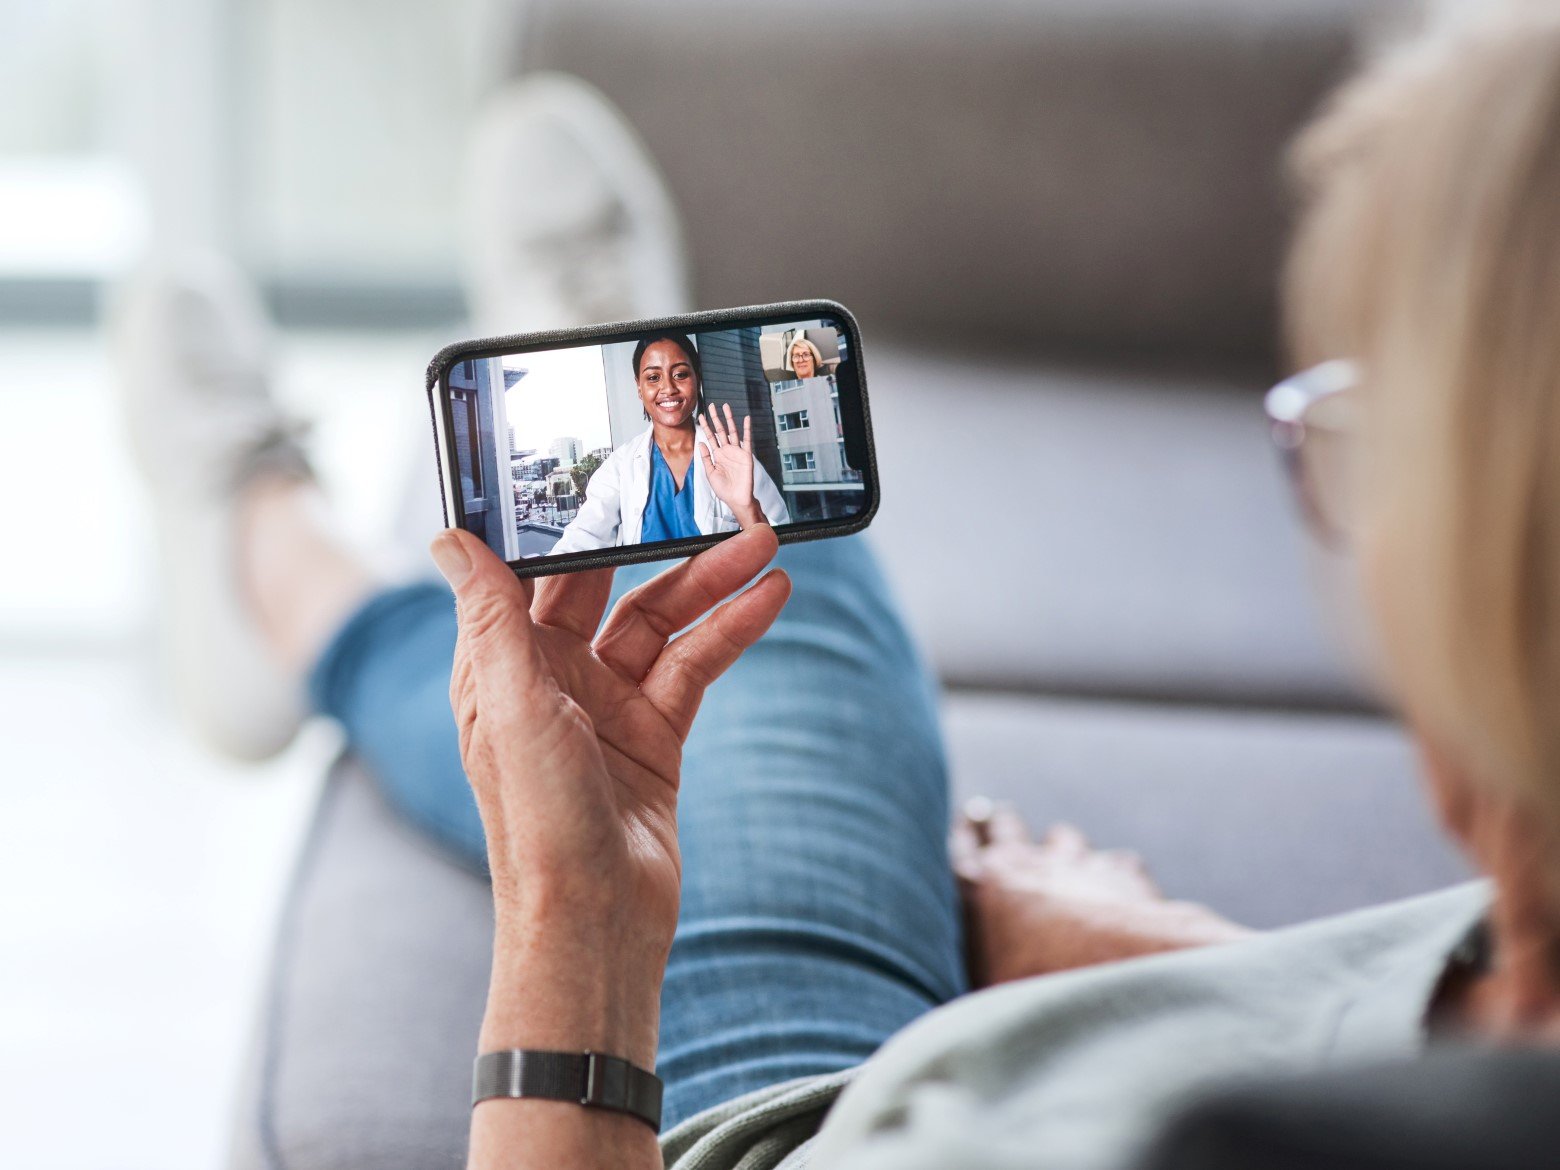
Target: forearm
{"x": 1110, "y": 934}
{"x": 569, "y": 999}
{"x": 571, "y": 733}
{"x": 1171, "y": 926}
{"x": 558, "y": 1135}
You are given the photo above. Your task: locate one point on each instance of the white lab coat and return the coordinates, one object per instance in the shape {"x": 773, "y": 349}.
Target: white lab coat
{"x": 616, "y": 495}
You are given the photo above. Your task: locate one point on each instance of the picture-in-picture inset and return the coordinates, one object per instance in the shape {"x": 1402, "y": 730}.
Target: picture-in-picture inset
{"x": 800, "y": 353}
{"x": 665, "y": 437}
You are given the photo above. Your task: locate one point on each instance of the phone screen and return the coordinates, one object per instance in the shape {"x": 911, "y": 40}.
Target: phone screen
{"x": 656, "y": 438}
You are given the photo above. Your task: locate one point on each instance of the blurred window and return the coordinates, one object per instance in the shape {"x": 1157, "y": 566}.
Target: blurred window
{"x": 352, "y": 123}
{"x": 318, "y": 141}
{"x": 68, "y": 207}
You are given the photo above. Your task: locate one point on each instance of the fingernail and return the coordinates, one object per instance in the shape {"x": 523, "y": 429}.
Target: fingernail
{"x": 450, "y": 558}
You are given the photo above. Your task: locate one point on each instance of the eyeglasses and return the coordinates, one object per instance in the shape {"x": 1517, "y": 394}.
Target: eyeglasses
{"x": 1313, "y": 417}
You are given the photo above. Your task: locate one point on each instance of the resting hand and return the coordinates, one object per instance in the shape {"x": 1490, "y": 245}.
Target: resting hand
{"x": 572, "y": 741}
{"x": 1037, "y": 907}
{"x": 728, "y": 464}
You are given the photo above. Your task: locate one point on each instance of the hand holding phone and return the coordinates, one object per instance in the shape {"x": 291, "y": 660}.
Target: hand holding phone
{"x": 572, "y": 730}
{"x": 655, "y": 439}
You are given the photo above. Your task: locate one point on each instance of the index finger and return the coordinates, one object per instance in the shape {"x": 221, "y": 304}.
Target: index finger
{"x": 573, "y": 601}
{"x": 645, "y": 618}
{"x": 676, "y": 683}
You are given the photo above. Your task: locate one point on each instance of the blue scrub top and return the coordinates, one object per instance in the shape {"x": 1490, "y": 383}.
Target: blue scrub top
{"x": 668, "y": 512}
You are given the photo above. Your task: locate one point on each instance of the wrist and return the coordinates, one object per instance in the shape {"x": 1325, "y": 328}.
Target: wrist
{"x": 749, "y": 515}
{"x": 1195, "y": 925}
{"x": 558, "y": 991}
{"x": 1175, "y": 926}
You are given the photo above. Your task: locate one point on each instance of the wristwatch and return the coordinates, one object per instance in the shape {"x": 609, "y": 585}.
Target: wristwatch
{"x": 593, "y": 1079}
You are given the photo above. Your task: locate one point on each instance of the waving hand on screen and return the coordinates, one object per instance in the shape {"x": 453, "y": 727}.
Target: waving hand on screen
{"x": 728, "y": 464}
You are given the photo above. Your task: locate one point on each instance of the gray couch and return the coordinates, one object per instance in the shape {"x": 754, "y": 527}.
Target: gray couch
{"x": 1060, "y": 224}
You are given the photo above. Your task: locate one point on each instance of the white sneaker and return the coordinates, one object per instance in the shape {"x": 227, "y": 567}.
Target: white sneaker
{"x": 190, "y": 342}
{"x": 567, "y": 220}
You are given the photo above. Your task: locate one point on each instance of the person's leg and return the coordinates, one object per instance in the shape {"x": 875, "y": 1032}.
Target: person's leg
{"x": 298, "y": 578}
{"x": 385, "y": 678}
{"x": 819, "y": 913}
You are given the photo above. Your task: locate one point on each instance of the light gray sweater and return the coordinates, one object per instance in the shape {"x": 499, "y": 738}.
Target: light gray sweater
{"x": 1077, "y": 1071}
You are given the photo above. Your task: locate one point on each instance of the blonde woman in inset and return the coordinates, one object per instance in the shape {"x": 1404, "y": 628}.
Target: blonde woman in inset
{"x": 805, "y": 359}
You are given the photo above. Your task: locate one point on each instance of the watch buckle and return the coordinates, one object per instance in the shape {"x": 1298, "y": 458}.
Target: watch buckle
{"x": 606, "y": 1081}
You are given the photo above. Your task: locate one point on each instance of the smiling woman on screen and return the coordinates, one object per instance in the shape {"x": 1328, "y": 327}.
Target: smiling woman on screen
{"x": 806, "y": 360}
{"x": 682, "y": 477}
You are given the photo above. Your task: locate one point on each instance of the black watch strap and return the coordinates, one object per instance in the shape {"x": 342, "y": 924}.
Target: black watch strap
{"x": 587, "y": 1078}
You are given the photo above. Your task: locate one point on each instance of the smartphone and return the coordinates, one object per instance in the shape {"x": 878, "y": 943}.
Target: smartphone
{"x": 654, "y": 439}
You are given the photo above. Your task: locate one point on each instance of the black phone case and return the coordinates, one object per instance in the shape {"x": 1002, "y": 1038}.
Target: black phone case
{"x": 689, "y": 323}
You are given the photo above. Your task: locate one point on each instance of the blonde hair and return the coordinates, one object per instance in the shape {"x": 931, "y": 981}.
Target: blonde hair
{"x": 817, "y": 354}
{"x": 1429, "y": 251}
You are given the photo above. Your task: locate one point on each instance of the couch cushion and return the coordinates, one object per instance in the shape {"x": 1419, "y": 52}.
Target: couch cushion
{"x": 1089, "y": 533}
{"x": 1101, "y": 176}
{"x": 1269, "y": 818}
{"x": 363, "y": 1056}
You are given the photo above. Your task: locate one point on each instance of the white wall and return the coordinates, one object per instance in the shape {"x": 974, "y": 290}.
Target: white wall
{"x": 625, "y": 413}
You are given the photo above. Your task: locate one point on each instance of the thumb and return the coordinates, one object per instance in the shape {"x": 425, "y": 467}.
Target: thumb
{"x": 494, "y": 606}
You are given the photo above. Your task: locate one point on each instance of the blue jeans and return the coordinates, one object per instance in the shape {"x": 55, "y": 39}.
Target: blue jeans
{"x": 818, "y": 914}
